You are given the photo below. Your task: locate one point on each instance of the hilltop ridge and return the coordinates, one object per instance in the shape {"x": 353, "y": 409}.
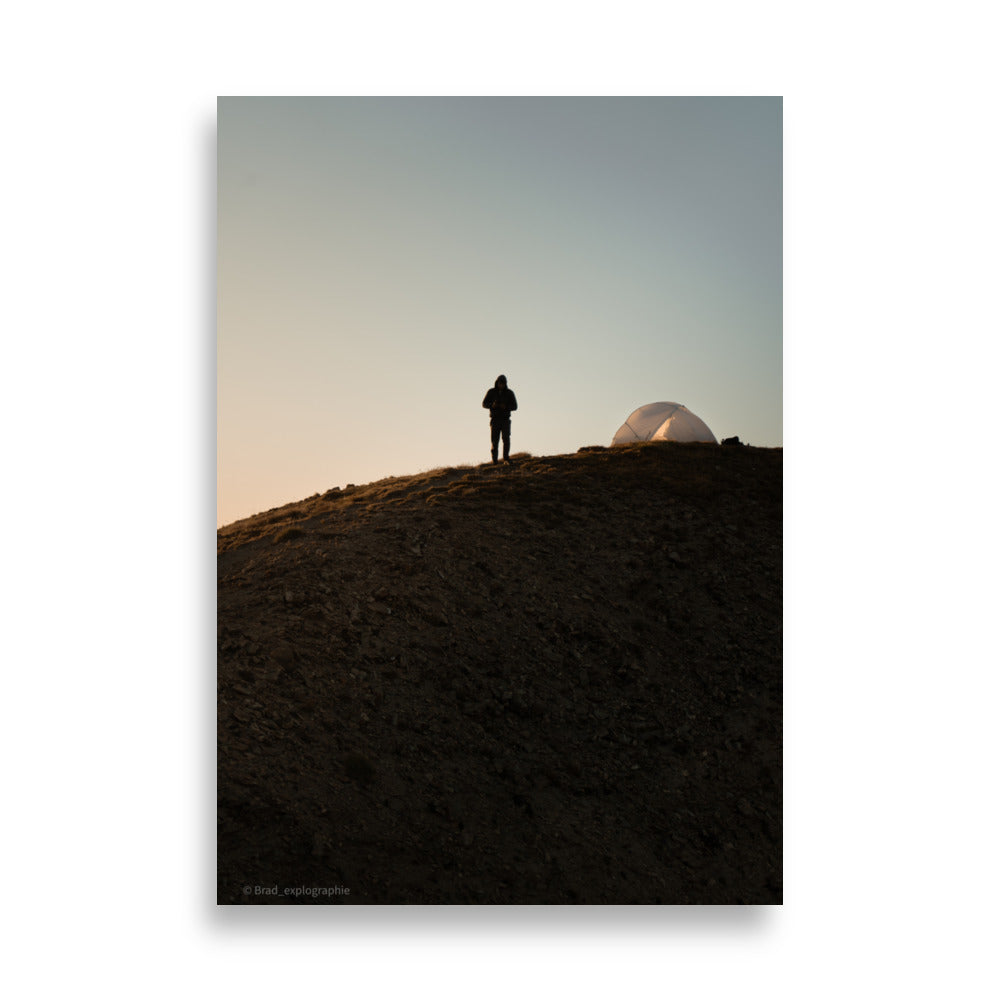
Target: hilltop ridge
{"x": 554, "y": 681}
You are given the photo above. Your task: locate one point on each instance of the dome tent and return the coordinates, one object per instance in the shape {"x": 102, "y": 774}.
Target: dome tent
{"x": 663, "y": 422}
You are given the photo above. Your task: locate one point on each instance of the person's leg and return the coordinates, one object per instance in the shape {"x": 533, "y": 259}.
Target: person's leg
{"x": 494, "y": 439}
{"x": 506, "y": 441}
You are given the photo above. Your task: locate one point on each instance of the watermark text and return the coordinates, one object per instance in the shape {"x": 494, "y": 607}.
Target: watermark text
{"x": 298, "y": 890}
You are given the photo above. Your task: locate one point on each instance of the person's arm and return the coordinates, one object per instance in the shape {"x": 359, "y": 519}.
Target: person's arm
{"x": 488, "y": 399}
{"x": 512, "y": 399}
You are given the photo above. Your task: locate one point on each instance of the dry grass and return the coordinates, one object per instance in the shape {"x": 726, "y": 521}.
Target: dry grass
{"x": 690, "y": 470}
{"x": 456, "y": 675}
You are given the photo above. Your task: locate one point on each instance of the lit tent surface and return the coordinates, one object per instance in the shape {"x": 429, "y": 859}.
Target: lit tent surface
{"x": 663, "y": 422}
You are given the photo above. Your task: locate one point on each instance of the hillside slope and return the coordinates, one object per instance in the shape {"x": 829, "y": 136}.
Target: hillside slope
{"x": 554, "y": 682}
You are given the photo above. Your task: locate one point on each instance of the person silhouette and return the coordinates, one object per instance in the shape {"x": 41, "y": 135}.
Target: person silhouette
{"x": 500, "y": 401}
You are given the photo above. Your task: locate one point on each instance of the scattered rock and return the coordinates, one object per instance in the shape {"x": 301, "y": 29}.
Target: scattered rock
{"x": 284, "y": 656}
{"x": 359, "y": 768}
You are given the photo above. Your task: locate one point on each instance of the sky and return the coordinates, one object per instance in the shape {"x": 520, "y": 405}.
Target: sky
{"x": 382, "y": 260}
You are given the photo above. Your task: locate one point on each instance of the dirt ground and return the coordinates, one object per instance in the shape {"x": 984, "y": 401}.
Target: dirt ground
{"x": 558, "y": 681}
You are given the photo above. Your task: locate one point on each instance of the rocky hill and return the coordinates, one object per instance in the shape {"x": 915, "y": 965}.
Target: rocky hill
{"x": 557, "y": 681}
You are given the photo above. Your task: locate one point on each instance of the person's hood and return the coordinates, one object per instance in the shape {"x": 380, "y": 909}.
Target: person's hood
{"x": 501, "y": 382}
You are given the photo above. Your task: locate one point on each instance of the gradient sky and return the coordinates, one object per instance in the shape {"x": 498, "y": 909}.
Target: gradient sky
{"x": 382, "y": 260}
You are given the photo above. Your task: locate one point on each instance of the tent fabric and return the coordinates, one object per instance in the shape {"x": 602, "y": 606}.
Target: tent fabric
{"x": 663, "y": 422}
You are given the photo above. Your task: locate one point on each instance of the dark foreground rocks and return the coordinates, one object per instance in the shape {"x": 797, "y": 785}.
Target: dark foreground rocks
{"x": 553, "y": 682}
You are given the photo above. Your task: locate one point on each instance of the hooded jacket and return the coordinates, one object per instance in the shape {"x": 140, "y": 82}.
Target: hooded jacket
{"x": 500, "y": 401}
